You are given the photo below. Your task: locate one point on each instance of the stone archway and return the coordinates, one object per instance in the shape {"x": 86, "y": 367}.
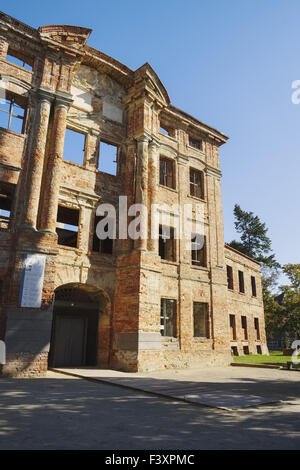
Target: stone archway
{"x": 80, "y": 329}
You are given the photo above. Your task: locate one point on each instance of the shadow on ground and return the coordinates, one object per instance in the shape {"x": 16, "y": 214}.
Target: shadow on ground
{"x": 69, "y": 413}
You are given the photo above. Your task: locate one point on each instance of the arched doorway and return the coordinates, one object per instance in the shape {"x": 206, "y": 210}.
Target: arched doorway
{"x": 75, "y": 329}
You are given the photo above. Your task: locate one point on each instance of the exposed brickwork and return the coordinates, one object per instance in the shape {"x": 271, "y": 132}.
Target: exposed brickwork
{"x": 72, "y": 85}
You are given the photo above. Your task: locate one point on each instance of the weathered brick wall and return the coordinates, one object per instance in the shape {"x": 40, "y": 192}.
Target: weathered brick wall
{"x": 75, "y": 86}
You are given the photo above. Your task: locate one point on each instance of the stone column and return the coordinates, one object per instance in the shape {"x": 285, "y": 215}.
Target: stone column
{"x": 153, "y": 174}
{"x": 36, "y": 158}
{"x": 51, "y": 191}
{"x": 141, "y": 196}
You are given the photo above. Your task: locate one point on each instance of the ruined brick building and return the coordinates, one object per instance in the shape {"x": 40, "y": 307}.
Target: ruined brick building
{"x": 68, "y": 298}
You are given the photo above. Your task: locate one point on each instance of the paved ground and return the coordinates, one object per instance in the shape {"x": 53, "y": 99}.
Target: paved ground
{"x": 63, "y": 412}
{"x": 219, "y": 387}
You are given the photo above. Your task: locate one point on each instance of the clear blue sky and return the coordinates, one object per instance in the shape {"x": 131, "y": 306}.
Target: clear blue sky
{"x": 230, "y": 63}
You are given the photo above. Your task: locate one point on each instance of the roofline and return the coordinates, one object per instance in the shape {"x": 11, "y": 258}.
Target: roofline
{"x": 241, "y": 254}
{"x": 220, "y": 135}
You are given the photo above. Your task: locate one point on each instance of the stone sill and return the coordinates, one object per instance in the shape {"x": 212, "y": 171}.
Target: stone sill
{"x": 196, "y": 150}
{"x": 17, "y": 134}
{"x": 197, "y": 198}
{"x": 200, "y": 268}
{"x": 167, "y": 187}
{"x": 172, "y": 263}
{"x": 174, "y": 139}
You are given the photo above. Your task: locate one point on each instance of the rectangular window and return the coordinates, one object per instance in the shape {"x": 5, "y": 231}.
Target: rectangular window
{"x": 196, "y": 183}
{"x": 256, "y": 327}
{"x": 74, "y": 146}
{"x": 232, "y": 327}
{"x": 198, "y": 250}
{"x": 229, "y": 277}
{"x": 234, "y": 351}
{"x": 7, "y": 192}
{"x": 168, "y": 317}
{"x": 67, "y": 226}
{"x": 166, "y": 172}
{"x": 102, "y": 246}
{"x": 253, "y": 286}
{"x": 241, "y": 282}
{"x": 12, "y": 112}
{"x": 246, "y": 350}
{"x": 19, "y": 58}
{"x": 200, "y": 317}
{"x": 195, "y": 143}
{"x": 244, "y": 327}
{"x": 108, "y": 158}
{"x": 258, "y": 349}
{"x": 167, "y": 243}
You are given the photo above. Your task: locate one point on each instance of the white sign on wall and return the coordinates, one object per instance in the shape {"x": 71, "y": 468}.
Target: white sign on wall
{"x": 32, "y": 281}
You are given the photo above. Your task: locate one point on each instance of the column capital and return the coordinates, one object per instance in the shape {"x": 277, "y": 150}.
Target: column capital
{"x": 154, "y": 144}
{"x": 63, "y": 100}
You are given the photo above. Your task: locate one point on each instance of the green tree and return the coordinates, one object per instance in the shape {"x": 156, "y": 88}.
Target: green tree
{"x": 254, "y": 241}
{"x": 291, "y": 301}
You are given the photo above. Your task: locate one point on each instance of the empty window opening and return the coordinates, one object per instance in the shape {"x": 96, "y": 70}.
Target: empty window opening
{"x": 200, "y": 317}
{"x": 198, "y": 250}
{"x": 165, "y": 129}
{"x": 12, "y": 112}
{"x": 246, "y": 350}
{"x": 74, "y": 146}
{"x": 258, "y": 349}
{"x": 67, "y": 226}
{"x": 108, "y": 158}
{"x": 19, "y": 58}
{"x": 256, "y": 327}
{"x": 102, "y": 246}
{"x": 167, "y": 243}
{"x": 167, "y": 172}
{"x": 241, "y": 282}
{"x": 7, "y": 191}
{"x": 168, "y": 317}
{"x": 234, "y": 351}
{"x": 232, "y": 327}
{"x": 196, "y": 183}
{"x": 196, "y": 143}
{"x": 253, "y": 286}
{"x": 229, "y": 277}
{"x": 244, "y": 327}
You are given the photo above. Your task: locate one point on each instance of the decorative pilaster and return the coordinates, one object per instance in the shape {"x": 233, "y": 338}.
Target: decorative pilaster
{"x": 36, "y": 158}
{"x": 153, "y": 171}
{"x": 142, "y": 189}
{"x": 51, "y": 192}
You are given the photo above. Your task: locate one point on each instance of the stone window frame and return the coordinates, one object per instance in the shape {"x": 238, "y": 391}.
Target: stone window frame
{"x": 241, "y": 278}
{"x": 108, "y": 141}
{"x": 207, "y": 325}
{"x": 84, "y": 132}
{"x": 194, "y": 261}
{"x": 202, "y": 183}
{"x": 232, "y": 325}
{"x": 244, "y": 324}
{"x": 230, "y": 280}
{"x": 162, "y": 316}
{"x": 9, "y": 193}
{"x": 253, "y": 286}
{"x": 164, "y": 175}
{"x": 172, "y": 238}
{"x": 75, "y": 208}
{"x": 13, "y": 99}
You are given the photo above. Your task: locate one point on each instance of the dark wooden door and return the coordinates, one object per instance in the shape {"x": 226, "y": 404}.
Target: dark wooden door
{"x": 70, "y": 341}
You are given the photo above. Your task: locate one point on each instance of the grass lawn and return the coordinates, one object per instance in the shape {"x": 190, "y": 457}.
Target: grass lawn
{"x": 275, "y": 358}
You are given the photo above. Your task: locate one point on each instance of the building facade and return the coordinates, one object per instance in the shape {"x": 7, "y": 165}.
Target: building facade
{"x": 79, "y": 129}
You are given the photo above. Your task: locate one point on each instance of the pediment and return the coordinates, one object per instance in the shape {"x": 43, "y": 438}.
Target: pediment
{"x": 70, "y": 36}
